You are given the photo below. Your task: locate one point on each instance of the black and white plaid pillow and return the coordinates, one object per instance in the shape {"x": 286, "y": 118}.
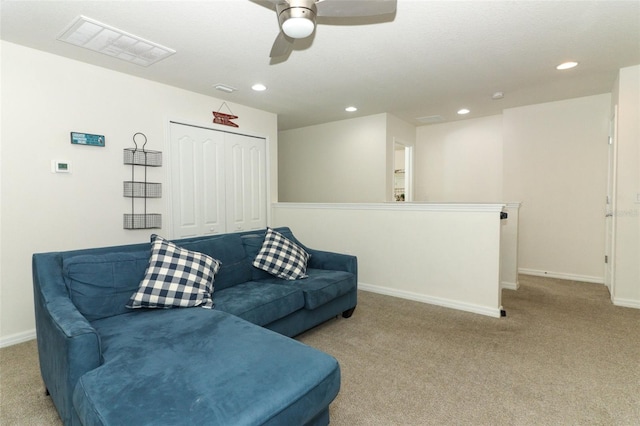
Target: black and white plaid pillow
{"x": 175, "y": 277}
{"x": 281, "y": 257}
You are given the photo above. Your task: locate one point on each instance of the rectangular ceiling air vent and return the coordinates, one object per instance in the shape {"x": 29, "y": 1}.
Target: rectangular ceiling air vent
{"x": 224, "y": 88}
{"x": 91, "y": 34}
{"x": 431, "y": 119}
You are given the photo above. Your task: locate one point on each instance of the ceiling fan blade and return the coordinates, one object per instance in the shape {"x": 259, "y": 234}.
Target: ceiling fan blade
{"x": 269, "y": 4}
{"x": 352, "y": 8}
{"x": 282, "y": 46}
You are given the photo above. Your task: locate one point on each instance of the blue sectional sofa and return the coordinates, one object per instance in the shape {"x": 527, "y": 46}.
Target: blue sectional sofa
{"x": 236, "y": 364}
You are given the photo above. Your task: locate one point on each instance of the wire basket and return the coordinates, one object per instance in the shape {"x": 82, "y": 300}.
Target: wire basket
{"x": 142, "y": 189}
{"x": 142, "y": 221}
{"x": 141, "y": 157}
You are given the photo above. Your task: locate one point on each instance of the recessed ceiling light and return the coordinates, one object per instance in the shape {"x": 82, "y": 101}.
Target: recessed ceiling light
{"x": 351, "y": 109}
{"x": 258, "y": 87}
{"x": 567, "y": 65}
{"x": 93, "y": 35}
{"x": 497, "y": 95}
{"x": 463, "y": 111}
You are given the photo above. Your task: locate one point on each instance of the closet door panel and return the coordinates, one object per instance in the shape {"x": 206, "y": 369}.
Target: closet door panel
{"x": 197, "y": 181}
{"x": 246, "y": 183}
{"x": 183, "y": 186}
{"x": 256, "y": 195}
{"x": 235, "y": 175}
{"x": 213, "y": 190}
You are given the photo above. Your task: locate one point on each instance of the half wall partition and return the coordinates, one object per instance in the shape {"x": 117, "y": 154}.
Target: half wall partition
{"x": 447, "y": 254}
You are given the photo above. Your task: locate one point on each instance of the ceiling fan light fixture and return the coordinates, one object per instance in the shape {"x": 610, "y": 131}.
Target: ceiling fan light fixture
{"x": 298, "y": 27}
{"x": 297, "y": 18}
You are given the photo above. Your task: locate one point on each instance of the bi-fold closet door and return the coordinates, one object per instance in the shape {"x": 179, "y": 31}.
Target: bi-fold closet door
{"x": 218, "y": 181}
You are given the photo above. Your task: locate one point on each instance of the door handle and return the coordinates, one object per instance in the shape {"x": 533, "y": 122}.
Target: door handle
{"x": 608, "y": 215}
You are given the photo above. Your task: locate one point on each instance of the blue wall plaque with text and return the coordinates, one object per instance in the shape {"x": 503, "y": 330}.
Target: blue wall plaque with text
{"x": 87, "y": 139}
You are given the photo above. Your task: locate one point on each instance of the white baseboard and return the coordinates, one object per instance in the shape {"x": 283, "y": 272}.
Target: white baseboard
{"x": 14, "y": 339}
{"x": 626, "y": 303}
{"x": 509, "y": 285}
{"x": 562, "y": 276}
{"x": 447, "y": 303}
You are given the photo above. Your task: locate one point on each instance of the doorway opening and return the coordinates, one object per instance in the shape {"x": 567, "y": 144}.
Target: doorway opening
{"x": 402, "y": 171}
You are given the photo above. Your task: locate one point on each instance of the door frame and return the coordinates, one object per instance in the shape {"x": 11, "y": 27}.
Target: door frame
{"x": 610, "y": 208}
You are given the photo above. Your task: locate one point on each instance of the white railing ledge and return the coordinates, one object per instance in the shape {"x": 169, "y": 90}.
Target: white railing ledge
{"x": 398, "y": 206}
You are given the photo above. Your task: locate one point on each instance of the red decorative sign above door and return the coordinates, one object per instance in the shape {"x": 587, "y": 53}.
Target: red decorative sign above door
{"x": 224, "y": 119}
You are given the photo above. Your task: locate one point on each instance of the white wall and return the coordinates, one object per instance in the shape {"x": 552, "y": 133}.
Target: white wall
{"x": 460, "y": 161}
{"x": 552, "y": 157}
{"x": 44, "y": 98}
{"x": 555, "y": 163}
{"x": 399, "y": 160}
{"x": 342, "y": 161}
{"x": 626, "y": 287}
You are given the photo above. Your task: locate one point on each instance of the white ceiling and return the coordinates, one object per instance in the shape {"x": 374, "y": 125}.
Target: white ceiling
{"x": 431, "y": 58}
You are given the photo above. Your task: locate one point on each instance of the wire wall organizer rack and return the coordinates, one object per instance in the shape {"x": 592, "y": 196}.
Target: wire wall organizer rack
{"x": 136, "y": 189}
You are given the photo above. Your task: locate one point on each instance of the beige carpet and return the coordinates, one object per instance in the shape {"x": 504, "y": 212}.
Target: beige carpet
{"x": 563, "y": 356}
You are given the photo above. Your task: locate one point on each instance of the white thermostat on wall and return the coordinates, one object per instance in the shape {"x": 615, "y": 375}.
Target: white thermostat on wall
{"x": 60, "y": 166}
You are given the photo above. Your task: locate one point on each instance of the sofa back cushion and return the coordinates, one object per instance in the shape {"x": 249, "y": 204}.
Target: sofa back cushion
{"x": 228, "y": 249}
{"x": 100, "y": 285}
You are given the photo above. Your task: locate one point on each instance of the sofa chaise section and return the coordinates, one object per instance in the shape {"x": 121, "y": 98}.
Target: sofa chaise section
{"x": 183, "y": 373}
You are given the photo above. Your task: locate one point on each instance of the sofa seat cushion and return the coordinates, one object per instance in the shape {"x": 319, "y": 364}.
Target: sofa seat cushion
{"x": 202, "y": 367}
{"x": 259, "y": 302}
{"x": 321, "y": 286}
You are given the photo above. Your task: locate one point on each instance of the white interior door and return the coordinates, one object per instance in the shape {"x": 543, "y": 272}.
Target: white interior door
{"x": 197, "y": 181}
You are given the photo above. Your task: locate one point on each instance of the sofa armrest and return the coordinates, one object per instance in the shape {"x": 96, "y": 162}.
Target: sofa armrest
{"x": 68, "y": 346}
{"x": 333, "y": 261}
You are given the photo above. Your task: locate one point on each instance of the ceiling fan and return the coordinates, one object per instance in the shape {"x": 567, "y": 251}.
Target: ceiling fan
{"x": 297, "y": 18}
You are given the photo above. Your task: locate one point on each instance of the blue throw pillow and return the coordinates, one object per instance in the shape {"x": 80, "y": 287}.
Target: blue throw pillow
{"x": 281, "y": 257}
{"x": 175, "y": 277}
